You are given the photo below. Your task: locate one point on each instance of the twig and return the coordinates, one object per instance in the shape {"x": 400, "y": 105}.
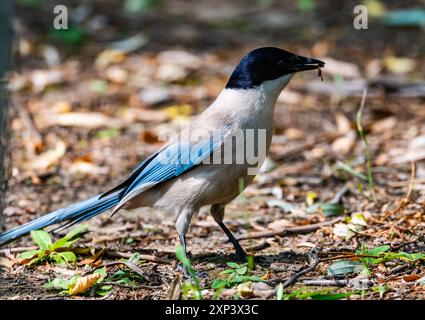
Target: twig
{"x": 147, "y": 257}
{"x": 339, "y": 195}
{"x": 291, "y": 230}
{"x": 17, "y": 250}
{"x": 313, "y": 260}
{"x": 174, "y": 290}
{"x": 368, "y": 155}
{"x": 326, "y": 282}
{"x": 258, "y": 247}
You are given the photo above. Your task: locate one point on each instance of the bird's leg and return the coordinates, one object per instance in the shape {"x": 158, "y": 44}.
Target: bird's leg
{"x": 182, "y": 226}
{"x": 182, "y": 238}
{"x": 217, "y": 211}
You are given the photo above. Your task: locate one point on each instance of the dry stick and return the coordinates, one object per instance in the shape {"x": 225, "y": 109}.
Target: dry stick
{"x": 326, "y": 282}
{"x": 147, "y": 257}
{"x": 174, "y": 290}
{"x": 258, "y": 247}
{"x": 291, "y": 230}
{"x": 17, "y": 250}
{"x": 339, "y": 195}
{"x": 313, "y": 260}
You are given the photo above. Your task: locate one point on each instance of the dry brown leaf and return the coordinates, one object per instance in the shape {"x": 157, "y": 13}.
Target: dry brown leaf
{"x": 341, "y": 68}
{"x": 84, "y": 283}
{"x": 342, "y": 123}
{"x": 108, "y": 57}
{"x": 343, "y": 145}
{"x": 411, "y": 277}
{"x": 6, "y": 262}
{"x": 85, "y": 119}
{"x": 384, "y": 125}
{"x": 86, "y": 167}
{"x": 48, "y": 158}
{"x": 279, "y": 225}
{"x": 116, "y": 74}
{"x": 40, "y": 79}
{"x": 246, "y": 290}
{"x": 294, "y": 133}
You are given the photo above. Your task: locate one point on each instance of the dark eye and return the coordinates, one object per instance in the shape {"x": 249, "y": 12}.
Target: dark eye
{"x": 280, "y": 63}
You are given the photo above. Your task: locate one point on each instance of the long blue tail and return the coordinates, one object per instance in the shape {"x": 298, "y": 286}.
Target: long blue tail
{"x": 72, "y": 214}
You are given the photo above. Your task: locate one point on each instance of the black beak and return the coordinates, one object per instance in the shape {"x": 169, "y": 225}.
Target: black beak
{"x": 301, "y": 63}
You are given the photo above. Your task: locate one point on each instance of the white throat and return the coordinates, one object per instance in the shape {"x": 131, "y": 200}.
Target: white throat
{"x": 272, "y": 88}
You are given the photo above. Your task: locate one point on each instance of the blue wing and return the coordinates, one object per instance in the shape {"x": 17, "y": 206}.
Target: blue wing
{"x": 168, "y": 163}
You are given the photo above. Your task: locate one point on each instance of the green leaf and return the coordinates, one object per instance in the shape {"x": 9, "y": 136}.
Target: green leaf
{"x": 70, "y": 238}
{"x": 30, "y": 3}
{"x": 345, "y": 167}
{"x": 233, "y": 265}
{"x": 103, "y": 290}
{"x": 42, "y": 239}
{"x": 242, "y": 270}
{"x": 29, "y": 254}
{"x": 412, "y": 256}
{"x": 73, "y": 36}
{"x": 76, "y": 232}
{"x": 62, "y": 243}
{"x": 306, "y": 5}
{"x": 39, "y": 258}
{"x": 218, "y": 284}
{"x": 374, "y": 252}
{"x": 135, "y": 257}
{"x": 255, "y": 279}
{"x": 345, "y": 267}
{"x": 389, "y": 256}
{"x": 60, "y": 284}
{"x": 227, "y": 271}
{"x": 138, "y": 6}
{"x": 64, "y": 257}
{"x": 328, "y": 209}
{"x": 102, "y": 272}
{"x": 378, "y": 250}
{"x": 108, "y": 134}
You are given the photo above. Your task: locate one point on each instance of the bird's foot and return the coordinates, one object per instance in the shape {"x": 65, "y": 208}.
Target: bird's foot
{"x": 240, "y": 255}
{"x": 188, "y": 276}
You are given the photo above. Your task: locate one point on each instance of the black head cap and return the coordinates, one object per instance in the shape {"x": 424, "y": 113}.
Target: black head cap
{"x": 268, "y": 63}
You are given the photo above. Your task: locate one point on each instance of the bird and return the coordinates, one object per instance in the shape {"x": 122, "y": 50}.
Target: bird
{"x": 191, "y": 170}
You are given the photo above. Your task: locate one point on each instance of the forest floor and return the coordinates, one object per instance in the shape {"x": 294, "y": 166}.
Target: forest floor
{"x": 85, "y": 114}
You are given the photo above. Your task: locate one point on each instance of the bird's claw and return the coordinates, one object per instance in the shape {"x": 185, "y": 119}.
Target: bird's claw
{"x": 188, "y": 276}
{"x": 241, "y": 256}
